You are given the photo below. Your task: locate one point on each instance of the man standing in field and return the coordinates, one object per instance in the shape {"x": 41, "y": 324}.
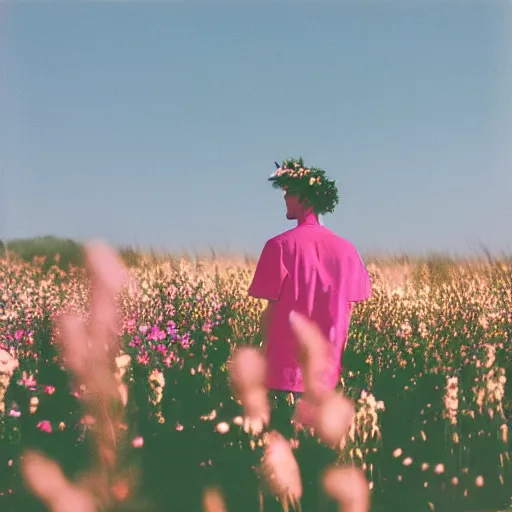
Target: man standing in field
{"x": 310, "y": 270}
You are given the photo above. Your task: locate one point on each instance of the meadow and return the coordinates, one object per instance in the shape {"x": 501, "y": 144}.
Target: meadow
{"x": 426, "y": 364}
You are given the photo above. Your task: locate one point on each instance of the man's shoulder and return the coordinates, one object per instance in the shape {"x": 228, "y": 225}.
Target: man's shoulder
{"x": 280, "y": 238}
{"x": 293, "y": 239}
{"x": 334, "y": 238}
{"x": 342, "y": 246}
{"x": 343, "y": 242}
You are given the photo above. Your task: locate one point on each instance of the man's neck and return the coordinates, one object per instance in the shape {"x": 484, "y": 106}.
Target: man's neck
{"x": 308, "y": 218}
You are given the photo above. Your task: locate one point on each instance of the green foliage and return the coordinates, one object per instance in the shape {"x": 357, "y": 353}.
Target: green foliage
{"x": 310, "y": 184}
{"x": 62, "y": 252}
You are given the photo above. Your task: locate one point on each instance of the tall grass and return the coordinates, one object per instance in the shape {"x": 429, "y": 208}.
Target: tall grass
{"x": 64, "y": 252}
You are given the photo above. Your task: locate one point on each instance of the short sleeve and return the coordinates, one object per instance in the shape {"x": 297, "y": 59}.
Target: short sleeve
{"x": 270, "y": 273}
{"x": 356, "y": 281}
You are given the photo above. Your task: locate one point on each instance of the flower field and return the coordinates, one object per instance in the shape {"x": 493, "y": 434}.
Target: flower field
{"x": 426, "y": 364}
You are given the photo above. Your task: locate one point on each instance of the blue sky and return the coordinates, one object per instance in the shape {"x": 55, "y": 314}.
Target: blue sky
{"x": 157, "y": 124}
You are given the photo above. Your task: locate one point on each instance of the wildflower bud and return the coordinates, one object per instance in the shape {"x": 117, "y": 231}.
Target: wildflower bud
{"x": 247, "y": 369}
{"x": 349, "y": 487}
{"x": 439, "y": 469}
{"x": 280, "y": 469}
{"x": 213, "y": 502}
{"x": 257, "y": 411}
{"x": 222, "y": 427}
{"x": 138, "y": 442}
{"x": 334, "y": 418}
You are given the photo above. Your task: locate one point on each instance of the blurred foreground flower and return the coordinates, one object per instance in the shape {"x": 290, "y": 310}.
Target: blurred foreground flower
{"x": 247, "y": 370}
{"x": 213, "y": 501}
{"x": 281, "y": 471}
{"x": 348, "y": 486}
{"x": 90, "y": 356}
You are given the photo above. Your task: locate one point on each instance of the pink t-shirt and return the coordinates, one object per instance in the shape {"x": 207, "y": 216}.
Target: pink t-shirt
{"x": 317, "y": 273}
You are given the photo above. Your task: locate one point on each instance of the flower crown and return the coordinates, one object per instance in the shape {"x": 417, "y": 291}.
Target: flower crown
{"x": 310, "y": 184}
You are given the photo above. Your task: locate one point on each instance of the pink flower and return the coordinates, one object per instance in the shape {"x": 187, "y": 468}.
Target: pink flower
{"x": 136, "y": 342}
{"x": 170, "y": 359}
{"x": 143, "y": 359}
{"x": 156, "y": 334}
{"x": 45, "y": 426}
{"x": 49, "y": 390}
{"x": 185, "y": 341}
{"x": 172, "y": 291}
{"x": 131, "y": 326}
{"x": 138, "y": 442}
{"x": 14, "y": 414}
{"x": 28, "y": 382}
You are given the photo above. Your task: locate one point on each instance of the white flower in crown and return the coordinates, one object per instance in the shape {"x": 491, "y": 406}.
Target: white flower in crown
{"x": 279, "y": 171}
{"x": 274, "y": 174}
